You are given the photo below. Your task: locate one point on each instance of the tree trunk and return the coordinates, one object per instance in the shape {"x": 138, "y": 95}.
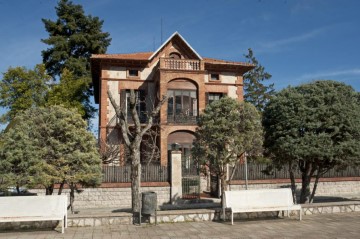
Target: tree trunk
{"x": 315, "y": 186}
{"x": 223, "y": 183}
{"x": 61, "y": 187}
{"x": 135, "y": 184}
{"x": 49, "y": 190}
{"x": 72, "y": 197}
{"x": 305, "y": 184}
{"x": 292, "y": 179}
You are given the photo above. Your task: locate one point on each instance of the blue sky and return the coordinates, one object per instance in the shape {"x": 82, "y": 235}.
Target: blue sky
{"x": 296, "y": 41}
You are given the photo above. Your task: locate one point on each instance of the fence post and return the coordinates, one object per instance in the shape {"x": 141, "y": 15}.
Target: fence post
{"x": 176, "y": 177}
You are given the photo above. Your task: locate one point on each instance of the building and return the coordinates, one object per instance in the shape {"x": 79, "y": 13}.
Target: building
{"x": 175, "y": 69}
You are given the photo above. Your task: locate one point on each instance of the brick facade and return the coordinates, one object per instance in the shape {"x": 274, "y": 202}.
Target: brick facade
{"x": 155, "y": 71}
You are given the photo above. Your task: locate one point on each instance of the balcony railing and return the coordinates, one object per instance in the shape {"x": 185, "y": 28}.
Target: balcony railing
{"x": 182, "y": 119}
{"x": 180, "y": 64}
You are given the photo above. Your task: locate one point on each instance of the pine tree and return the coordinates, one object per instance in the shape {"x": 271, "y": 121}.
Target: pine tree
{"x": 256, "y": 92}
{"x": 313, "y": 127}
{"x": 73, "y": 37}
{"x": 47, "y": 146}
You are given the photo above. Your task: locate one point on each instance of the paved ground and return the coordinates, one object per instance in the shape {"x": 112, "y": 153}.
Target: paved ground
{"x": 340, "y": 225}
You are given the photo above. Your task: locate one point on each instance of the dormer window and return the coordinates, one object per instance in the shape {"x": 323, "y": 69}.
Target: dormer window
{"x": 133, "y": 73}
{"x": 175, "y": 55}
{"x": 214, "y": 76}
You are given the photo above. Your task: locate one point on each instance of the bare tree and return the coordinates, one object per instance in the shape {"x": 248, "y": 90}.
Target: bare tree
{"x": 150, "y": 150}
{"x": 132, "y": 136}
{"x": 109, "y": 152}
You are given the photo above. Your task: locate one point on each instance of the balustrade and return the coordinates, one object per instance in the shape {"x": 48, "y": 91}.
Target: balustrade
{"x": 180, "y": 64}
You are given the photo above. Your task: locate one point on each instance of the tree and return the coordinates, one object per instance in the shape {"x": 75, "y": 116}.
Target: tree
{"x": 73, "y": 37}
{"x": 68, "y": 93}
{"x": 226, "y": 130}
{"x": 256, "y": 92}
{"x": 133, "y": 135}
{"x": 313, "y": 127}
{"x": 50, "y": 145}
{"x": 21, "y": 89}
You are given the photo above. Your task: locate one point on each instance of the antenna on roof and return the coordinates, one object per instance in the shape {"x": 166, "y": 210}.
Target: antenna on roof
{"x": 161, "y": 34}
{"x": 153, "y": 43}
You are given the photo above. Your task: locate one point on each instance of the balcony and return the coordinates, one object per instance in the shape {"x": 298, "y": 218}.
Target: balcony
{"x": 182, "y": 119}
{"x": 181, "y": 64}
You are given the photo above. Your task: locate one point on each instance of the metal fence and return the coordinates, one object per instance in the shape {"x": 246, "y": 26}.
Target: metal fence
{"x": 257, "y": 172}
{"x": 122, "y": 174}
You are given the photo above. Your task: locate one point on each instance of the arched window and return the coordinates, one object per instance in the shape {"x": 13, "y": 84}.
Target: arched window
{"x": 182, "y": 102}
{"x": 175, "y": 55}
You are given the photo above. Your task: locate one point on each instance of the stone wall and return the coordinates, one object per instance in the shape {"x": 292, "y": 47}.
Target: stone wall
{"x": 110, "y": 197}
{"x": 120, "y": 197}
{"x": 335, "y": 188}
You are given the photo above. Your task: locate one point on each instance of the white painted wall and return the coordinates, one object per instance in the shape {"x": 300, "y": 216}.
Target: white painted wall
{"x": 232, "y": 92}
{"x": 206, "y": 78}
{"x": 228, "y": 77}
{"x": 116, "y": 72}
{"x": 147, "y": 73}
{"x": 114, "y": 89}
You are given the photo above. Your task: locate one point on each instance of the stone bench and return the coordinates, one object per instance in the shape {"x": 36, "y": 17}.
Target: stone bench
{"x": 34, "y": 208}
{"x": 259, "y": 201}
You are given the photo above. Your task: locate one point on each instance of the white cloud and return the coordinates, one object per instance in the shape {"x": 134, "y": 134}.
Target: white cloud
{"x": 329, "y": 74}
{"x": 294, "y": 39}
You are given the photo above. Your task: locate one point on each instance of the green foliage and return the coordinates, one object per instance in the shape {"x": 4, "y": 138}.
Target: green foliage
{"x": 73, "y": 37}
{"x": 21, "y": 89}
{"x": 69, "y": 94}
{"x": 47, "y": 146}
{"x": 226, "y": 130}
{"x": 316, "y": 126}
{"x": 256, "y": 92}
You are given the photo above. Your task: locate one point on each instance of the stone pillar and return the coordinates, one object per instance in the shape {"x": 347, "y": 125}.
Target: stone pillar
{"x": 176, "y": 177}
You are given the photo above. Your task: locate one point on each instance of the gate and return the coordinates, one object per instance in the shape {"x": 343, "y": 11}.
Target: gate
{"x": 190, "y": 178}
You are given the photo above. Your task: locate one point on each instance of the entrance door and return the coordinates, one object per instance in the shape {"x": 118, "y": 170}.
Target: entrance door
{"x": 190, "y": 175}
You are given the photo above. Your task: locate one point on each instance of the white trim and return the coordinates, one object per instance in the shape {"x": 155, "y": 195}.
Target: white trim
{"x": 166, "y": 42}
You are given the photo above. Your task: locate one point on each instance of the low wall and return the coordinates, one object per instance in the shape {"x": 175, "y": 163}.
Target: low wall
{"x": 334, "y": 187}
{"x": 117, "y": 197}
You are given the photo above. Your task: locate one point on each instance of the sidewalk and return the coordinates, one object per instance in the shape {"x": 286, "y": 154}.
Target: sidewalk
{"x": 340, "y": 225}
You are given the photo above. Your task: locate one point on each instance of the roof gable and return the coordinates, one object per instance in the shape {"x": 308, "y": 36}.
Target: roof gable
{"x": 176, "y": 37}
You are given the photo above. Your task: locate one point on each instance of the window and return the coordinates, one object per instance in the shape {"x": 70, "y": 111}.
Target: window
{"x": 214, "y": 76}
{"x": 182, "y": 106}
{"x": 211, "y": 97}
{"x": 175, "y": 55}
{"x": 133, "y": 73}
{"x": 140, "y": 104}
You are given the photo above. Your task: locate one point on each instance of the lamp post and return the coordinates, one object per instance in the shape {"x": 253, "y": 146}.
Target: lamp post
{"x": 246, "y": 172}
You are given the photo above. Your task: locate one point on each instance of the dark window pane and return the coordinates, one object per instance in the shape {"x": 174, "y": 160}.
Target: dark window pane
{"x": 133, "y": 72}
{"x": 214, "y": 76}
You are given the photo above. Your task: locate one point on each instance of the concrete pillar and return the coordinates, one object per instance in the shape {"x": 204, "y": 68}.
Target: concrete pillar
{"x": 176, "y": 177}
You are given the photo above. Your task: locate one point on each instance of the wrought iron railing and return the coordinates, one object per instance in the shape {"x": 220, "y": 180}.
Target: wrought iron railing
{"x": 261, "y": 172}
{"x": 122, "y": 174}
{"x": 181, "y": 119}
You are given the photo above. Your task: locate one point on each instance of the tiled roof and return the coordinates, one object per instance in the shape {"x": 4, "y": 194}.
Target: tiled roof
{"x": 146, "y": 55}
{"x": 219, "y": 61}
{"x": 127, "y": 56}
